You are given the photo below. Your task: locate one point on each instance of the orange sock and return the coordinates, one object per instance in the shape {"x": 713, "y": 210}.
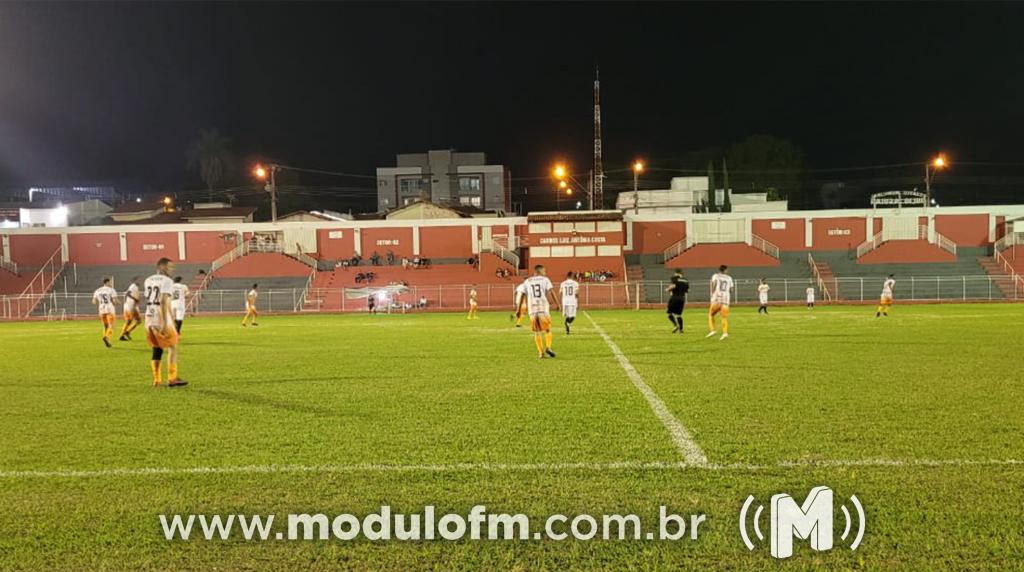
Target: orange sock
{"x": 172, "y": 372}
{"x": 537, "y": 339}
{"x": 547, "y": 340}
{"x": 725, "y": 325}
{"x": 155, "y": 366}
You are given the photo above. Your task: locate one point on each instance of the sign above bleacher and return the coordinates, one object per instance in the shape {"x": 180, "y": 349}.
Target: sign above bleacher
{"x": 898, "y": 199}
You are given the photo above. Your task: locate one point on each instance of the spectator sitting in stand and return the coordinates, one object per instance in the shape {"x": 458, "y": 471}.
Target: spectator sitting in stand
{"x": 390, "y": 257}
{"x": 375, "y": 258}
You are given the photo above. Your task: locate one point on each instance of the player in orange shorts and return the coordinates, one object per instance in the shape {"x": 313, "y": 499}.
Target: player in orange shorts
{"x": 104, "y": 298}
{"x": 721, "y": 296}
{"x": 132, "y": 318}
{"x": 540, "y": 298}
{"x": 160, "y": 328}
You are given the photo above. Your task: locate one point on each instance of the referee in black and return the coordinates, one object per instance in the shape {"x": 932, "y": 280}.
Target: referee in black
{"x": 677, "y": 300}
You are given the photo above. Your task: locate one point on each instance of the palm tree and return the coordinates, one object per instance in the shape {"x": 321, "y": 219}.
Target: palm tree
{"x": 208, "y": 155}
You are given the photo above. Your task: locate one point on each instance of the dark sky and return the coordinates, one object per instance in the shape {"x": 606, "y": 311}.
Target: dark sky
{"x": 116, "y": 91}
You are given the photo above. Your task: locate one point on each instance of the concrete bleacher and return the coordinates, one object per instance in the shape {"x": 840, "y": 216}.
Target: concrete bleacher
{"x": 790, "y": 273}
{"x": 72, "y": 291}
{"x": 917, "y": 281}
{"x": 276, "y": 293}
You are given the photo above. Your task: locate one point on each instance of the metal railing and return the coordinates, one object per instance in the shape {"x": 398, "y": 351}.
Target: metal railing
{"x": 869, "y": 245}
{"x": 945, "y": 243}
{"x": 9, "y": 265}
{"x": 501, "y": 252}
{"x": 677, "y": 248}
{"x": 304, "y": 258}
{"x": 455, "y": 297}
{"x": 764, "y": 246}
{"x": 301, "y": 303}
{"x": 42, "y": 282}
{"x": 826, "y": 293}
{"x": 1006, "y": 241}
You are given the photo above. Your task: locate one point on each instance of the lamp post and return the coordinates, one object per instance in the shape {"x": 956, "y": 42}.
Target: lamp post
{"x": 936, "y": 164}
{"x": 264, "y": 173}
{"x": 638, "y": 167}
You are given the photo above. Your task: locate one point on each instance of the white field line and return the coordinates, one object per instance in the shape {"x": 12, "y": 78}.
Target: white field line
{"x": 501, "y": 467}
{"x": 680, "y": 436}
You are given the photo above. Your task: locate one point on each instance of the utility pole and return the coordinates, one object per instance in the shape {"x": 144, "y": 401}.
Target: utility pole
{"x": 272, "y": 187}
{"x": 597, "y": 200}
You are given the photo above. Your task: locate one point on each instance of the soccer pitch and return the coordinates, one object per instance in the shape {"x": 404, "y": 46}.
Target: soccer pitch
{"x": 919, "y": 415}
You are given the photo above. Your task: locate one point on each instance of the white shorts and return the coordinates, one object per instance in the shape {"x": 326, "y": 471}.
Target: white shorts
{"x": 763, "y": 299}
{"x": 569, "y": 310}
{"x": 179, "y": 314}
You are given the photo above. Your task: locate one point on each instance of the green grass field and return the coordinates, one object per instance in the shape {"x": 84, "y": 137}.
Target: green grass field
{"x": 920, "y": 415}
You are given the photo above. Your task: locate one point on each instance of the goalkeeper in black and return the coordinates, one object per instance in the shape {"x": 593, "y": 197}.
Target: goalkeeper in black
{"x": 677, "y": 300}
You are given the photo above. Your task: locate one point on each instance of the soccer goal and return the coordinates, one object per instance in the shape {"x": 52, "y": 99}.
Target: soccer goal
{"x": 56, "y": 315}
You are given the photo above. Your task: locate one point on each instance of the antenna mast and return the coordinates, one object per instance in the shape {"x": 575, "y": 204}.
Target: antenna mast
{"x": 597, "y": 194}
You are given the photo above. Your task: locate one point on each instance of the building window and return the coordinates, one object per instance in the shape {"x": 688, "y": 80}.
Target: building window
{"x": 470, "y": 201}
{"x": 470, "y": 185}
{"x": 410, "y": 185}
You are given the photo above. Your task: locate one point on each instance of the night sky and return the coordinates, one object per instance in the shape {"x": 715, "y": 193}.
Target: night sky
{"x": 117, "y": 91}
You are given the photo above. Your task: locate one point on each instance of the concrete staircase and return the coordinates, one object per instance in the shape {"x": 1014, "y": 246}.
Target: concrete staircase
{"x": 1003, "y": 279}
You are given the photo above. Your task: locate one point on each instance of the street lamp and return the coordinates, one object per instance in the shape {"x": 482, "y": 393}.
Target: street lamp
{"x": 261, "y": 173}
{"x": 937, "y": 164}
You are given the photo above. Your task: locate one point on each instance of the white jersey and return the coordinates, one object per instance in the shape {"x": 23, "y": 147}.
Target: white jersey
{"x": 810, "y": 295}
{"x": 570, "y": 290}
{"x": 537, "y": 288}
{"x": 721, "y": 289}
{"x": 762, "y": 293}
{"x": 250, "y": 298}
{"x": 104, "y": 296}
{"x": 130, "y": 297}
{"x": 178, "y": 296}
{"x": 472, "y": 296}
{"x": 887, "y": 287}
{"x": 156, "y": 287}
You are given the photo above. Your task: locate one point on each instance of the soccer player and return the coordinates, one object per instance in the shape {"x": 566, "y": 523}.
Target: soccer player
{"x": 677, "y": 300}
{"x": 885, "y": 303}
{"x": 472, "y": 305}
{"x": 540, "y": 296}
{"x": 160, "y": 332}
{"x": 132, "y": 318}
{"x": 762, "y": 297}
{"x": 570, "y": 291}
{"x": 520, "y": 303}
{"x": 180, "y": 293}
{"x": 250, "y": 306}
{"x": 721, "y": 295}
{"x": 810, "y": 297}
{"x": 104, "y": 298}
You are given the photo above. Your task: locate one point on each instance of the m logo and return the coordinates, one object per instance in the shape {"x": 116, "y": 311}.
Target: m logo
{"x": 812, "y": 520}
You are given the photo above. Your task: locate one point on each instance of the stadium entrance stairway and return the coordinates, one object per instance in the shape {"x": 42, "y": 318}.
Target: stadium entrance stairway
{"x": 907, "y": 252}
{"x": 707, "y": 255}
{"x": 1003, "y": 278}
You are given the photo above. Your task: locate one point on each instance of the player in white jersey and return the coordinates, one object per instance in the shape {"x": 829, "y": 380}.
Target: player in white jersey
{"x": 132, "y": 318}
{"x": 540, "y": 297}
{"x": 159, "y": 291}
{"x": 762, "y": 297}
{"x": 472, "y": 304}
{"x": 104, "y": 298}
{"x": 250, "y": 306}
{"x": 885, "y": 302}
{"x": 721, "y": 296}
{"x": 810, "y": 297}
{"x": 570, "y": 291}
{"x": 519, "y": 299}
{"x": 178, "y": 299}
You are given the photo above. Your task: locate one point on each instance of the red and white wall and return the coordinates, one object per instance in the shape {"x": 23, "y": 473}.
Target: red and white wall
{"x": 582, "y": 245}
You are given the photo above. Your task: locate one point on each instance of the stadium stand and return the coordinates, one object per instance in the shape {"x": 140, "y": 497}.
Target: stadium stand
{"x": 72, "y": 291}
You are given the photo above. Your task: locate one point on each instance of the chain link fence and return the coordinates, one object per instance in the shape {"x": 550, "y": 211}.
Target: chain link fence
{"x": 455, "y": 297}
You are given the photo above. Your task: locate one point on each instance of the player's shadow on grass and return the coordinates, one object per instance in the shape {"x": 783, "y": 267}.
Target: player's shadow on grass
{"x": 266, "y": 402}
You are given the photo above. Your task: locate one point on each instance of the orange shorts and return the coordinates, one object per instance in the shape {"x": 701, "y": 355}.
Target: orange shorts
{"x": 158, "y": 339}
{"x": 541, "y": 323}
{"x": 132, "y": 315}
{"x": 885, "y": 301}
{"x": 719, "y": 308}
{"x": 108, "y": 319}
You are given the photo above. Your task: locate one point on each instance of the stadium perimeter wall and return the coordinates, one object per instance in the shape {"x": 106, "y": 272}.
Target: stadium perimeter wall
{"x": 462, "y": 238}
